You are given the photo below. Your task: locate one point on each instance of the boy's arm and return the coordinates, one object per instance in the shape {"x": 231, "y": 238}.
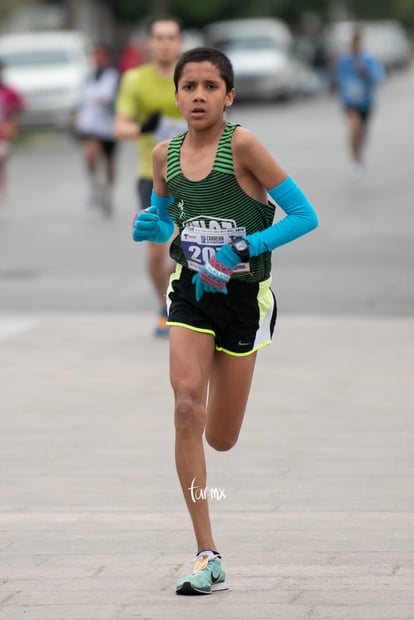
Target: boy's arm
{"x": 300, "y": 219}
{"x": 159, "y": 168}
{"x": 300, "y": 215}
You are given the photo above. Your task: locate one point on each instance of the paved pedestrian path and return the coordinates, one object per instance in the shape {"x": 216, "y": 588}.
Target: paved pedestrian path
{"x": 315, "y": 514}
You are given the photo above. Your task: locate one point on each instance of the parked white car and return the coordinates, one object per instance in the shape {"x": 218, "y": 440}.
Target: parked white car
{"x": 260, "y": 51}
{"x": 47, "y": 68}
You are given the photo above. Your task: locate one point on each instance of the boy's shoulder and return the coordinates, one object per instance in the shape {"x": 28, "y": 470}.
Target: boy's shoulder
{"x": 242, "y": 137}
{"x": 160, "y": 150}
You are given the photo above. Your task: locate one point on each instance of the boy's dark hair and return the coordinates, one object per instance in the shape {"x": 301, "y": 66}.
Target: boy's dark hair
{"x": 164, "y": 18}
{"x": 206, "y": 54}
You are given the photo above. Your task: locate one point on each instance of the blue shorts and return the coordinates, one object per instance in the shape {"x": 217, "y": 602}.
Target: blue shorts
{"x": 363, "y": 113}
{"x": 241, "y": 322}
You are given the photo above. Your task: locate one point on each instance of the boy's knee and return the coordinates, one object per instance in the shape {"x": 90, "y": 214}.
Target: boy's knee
{"x": 189, "y": 414}
{"x": 220, "y": 443}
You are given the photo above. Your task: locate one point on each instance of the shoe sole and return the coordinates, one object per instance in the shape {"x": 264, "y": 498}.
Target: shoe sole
{"x": 187, "y": 589}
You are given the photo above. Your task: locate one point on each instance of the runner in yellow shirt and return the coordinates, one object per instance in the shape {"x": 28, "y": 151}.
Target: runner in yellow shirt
{"x": 146, "y": 111}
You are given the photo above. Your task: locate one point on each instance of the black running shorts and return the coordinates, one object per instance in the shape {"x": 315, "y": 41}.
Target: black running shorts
{"x": 241, "y": 322}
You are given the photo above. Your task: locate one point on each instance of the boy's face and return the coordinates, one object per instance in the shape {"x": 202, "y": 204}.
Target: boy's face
{"x": 201, "y": 94}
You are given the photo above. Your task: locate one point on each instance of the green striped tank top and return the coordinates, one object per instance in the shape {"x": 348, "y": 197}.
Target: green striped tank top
{"x": 211, "y": 211}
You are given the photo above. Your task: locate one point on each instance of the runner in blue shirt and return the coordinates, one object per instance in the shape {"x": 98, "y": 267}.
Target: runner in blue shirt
{"x": 357, "y": 74}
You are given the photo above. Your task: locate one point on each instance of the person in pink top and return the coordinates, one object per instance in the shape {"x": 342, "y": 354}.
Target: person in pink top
{"x": 11, "y": 105}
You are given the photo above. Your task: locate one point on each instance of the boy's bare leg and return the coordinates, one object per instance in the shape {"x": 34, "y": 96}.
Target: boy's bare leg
{"x": 191, "y": 355}
{"x": 229, "y": 389}
{"x": 192, "y": 360}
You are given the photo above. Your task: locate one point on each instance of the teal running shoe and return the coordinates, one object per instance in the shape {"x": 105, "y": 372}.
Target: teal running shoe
{"x": 207, "y": 577}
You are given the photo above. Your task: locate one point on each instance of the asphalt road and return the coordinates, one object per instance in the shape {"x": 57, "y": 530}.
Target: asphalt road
{"x": 56, "y": 253}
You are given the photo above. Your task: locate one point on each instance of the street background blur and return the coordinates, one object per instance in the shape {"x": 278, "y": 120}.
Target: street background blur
{"x": 287, "y": 53}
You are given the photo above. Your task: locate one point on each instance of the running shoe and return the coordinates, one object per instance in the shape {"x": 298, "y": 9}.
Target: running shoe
{"x": 162, "y": 329}
{"x": 357, "y": 170}
{"x": 207, "y": 577}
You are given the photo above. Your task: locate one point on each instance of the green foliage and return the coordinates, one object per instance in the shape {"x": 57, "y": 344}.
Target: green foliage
{"x": 198, "y": 13}
{"x": 130, "y": 10}
{"x": 292, "y": 12}
{"x": 371, "y": 10}
{"x": 404, "y": 11}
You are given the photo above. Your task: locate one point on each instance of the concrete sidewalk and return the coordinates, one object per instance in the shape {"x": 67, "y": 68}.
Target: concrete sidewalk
{"x": 318, "y": 515}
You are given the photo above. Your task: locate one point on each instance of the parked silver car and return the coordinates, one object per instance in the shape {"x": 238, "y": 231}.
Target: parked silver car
{"x": 260, "y": 52}
{"x": 389, "y": 42}
{"x": 47, "y": 68}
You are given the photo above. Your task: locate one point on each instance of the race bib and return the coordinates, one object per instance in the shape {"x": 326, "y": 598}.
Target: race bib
{"x": 169, "y": 127}
{"x": 200, "y": 244}
{"x": 355, "y": 91}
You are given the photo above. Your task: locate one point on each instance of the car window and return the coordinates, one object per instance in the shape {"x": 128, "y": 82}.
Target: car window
{"x": 247, "y": 43}
{"x": 35, "y": 58}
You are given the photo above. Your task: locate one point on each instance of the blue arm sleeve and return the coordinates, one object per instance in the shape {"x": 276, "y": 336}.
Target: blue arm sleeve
{"x": 166, "y": 223}
{"x": 300, "y": 219}
{"x": 162, "y": 203}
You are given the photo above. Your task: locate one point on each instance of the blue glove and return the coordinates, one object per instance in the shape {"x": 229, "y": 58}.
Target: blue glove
{"x": 216, "y": 272}
{"x": 148, "y": 226}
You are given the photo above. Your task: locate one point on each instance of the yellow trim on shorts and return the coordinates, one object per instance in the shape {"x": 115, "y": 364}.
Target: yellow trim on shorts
{"x": 263, "y": 299}
{"x": 220, "y": 349}
{"x": 232, "y": 353}
{"x": 194, "y": 329}
{"x": 176, "y": 274}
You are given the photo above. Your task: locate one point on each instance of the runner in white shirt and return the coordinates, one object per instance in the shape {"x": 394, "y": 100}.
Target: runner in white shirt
{"x": 94, "y": 125}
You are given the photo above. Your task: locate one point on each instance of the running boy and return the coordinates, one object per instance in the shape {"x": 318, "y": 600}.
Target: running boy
{"x": 212, "y": 182}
